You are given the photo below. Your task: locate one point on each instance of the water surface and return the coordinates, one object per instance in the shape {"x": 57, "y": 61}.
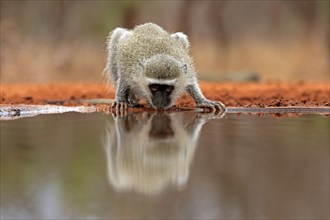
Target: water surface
{"x": 179, "y": 165}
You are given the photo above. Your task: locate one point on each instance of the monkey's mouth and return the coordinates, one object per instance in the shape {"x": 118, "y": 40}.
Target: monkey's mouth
{"x": 161, "y": 104}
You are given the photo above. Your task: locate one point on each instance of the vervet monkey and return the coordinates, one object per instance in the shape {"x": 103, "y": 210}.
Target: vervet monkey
{"x": 150, "y": 63}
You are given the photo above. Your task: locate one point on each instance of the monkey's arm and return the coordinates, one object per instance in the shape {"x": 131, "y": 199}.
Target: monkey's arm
{"x": 124, "y": 96}
{"x": 196, "y": 93}
{"x": 114, "y": 37}
{"x": 121, "y": 99}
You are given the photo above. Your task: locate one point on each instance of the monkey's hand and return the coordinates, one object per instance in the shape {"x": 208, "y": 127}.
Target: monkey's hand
{"x": 196, "y": 93}
{"x": 214, "y": 106}
{"x": 119, "y": 105}
{"x": 120, "y": 108}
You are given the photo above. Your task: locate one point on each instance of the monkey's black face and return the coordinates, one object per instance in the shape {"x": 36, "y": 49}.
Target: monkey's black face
{"x": 161, "y": 95}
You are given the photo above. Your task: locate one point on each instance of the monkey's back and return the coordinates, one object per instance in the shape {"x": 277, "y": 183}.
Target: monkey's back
{"x": 144, "y": 42}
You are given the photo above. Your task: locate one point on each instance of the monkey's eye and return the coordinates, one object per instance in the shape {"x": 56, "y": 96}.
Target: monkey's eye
{"x": 169, "y": 88}
{"x": 154, "y": 87}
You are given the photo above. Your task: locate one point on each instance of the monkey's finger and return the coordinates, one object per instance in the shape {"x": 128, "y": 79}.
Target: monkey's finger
{"x": 114, "y": 104}
{"x": 223, "y": 106}
{"x": 121, "y": 106}
{"x": 209, "y": 108}
{"x": 120, "y": 109}
{"x": 117, "y": 111}
{"x": 220, "y": 113}
{"x": 124, "y": 109}
{"x": 117, "y": 108}
{"x": 123, "y": 113}
{"x": 219, "y": 106}
{"x": 213, "y": 107}
{"x": 202, "y": 106}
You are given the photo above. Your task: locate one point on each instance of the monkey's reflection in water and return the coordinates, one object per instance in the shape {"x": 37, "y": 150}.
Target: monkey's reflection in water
{"x": 146, "y": 152}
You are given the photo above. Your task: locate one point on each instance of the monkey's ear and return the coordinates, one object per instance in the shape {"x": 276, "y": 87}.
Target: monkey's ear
{"x": 181, "y": 38}
{"x": 184, "y": 68}
{"x": 141, "y": 66}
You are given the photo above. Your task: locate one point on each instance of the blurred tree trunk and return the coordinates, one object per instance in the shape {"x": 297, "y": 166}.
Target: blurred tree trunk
{"x": 129, "y": 16}
{"x": 306, "y": 12}
{"x": 59, "y": 21}
{"x": 216, "y": 22}
{"x": 184, "y": 21}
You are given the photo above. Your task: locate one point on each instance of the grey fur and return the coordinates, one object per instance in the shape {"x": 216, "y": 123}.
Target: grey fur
{"x": 149, "y": 54}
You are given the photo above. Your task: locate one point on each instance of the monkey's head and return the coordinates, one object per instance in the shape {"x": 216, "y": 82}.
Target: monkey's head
{"x": 164, "y": 80}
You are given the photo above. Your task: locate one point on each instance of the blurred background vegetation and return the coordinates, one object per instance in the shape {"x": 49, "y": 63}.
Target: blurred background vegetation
{"x": 56, "y": 41}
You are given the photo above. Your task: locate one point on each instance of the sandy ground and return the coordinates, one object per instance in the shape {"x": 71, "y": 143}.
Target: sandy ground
{"x": 271, "y": 94}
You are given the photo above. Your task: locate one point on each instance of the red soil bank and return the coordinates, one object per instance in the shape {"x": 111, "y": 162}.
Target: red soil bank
{"x": 270, "y": 94}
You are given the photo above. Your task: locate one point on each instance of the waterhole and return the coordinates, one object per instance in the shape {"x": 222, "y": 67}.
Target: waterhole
{"x": 181, "y": 165}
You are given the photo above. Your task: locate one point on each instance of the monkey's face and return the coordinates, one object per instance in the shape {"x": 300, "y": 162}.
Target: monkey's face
{"x": 161, "y": 95}
{"x": 164, "y": 79}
